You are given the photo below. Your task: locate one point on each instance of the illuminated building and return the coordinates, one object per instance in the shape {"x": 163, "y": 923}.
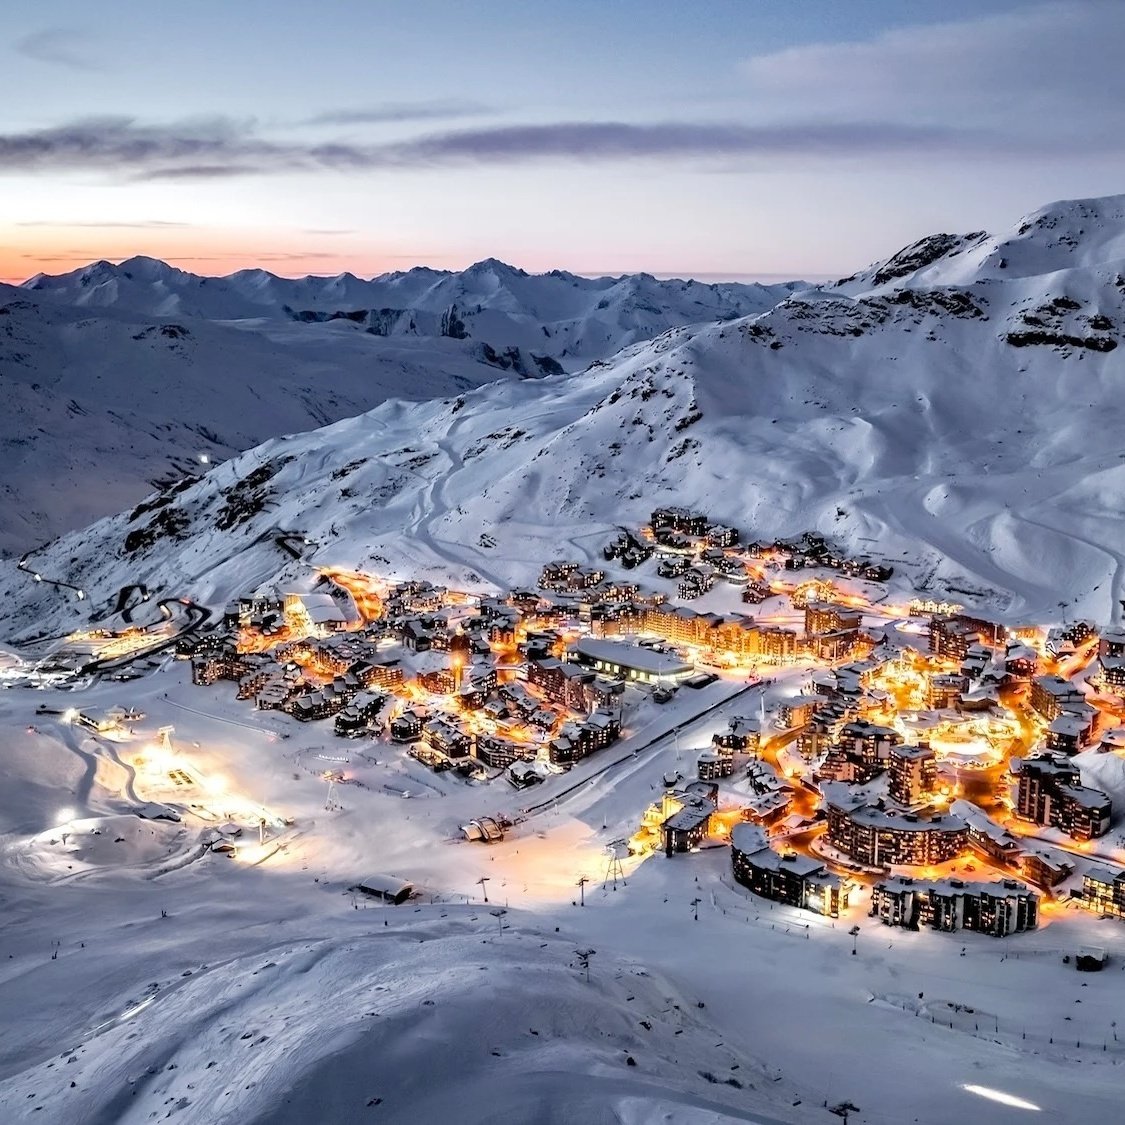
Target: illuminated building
{"x": 945, "y": 691}
{"x": 1046, "y": 868}
{"x": 1069, "y": 733}
{"x": 679, "y": 519}
{"x": 565, "y": 576}
{"x": 1052, "y": 695}
{"x": 711, "y": 766}
{"x": 314, "y": 614}
{"x": 786, "y": 877}
{"x": 499, "y": 753}
{"x": 577, "y": 740}
{"x": 1064, "y": 638}
{"x": 1051, "y": 793}
{"x": 949, "y": 905}
{"x": 560, "y": 682}
{"x": 406, "y": 727}
{"x": 446, "y": 738}
{"x": 875, "y": 837}
{"x": 828, "y": 617}
{"x": 629, "y": 662}
{"x": 688, "y": 827}
{"x": 742, "y": 734}
{"x": 1103, "y": 891}
{"x": 951, "y": 635}
{"x": 912, "y": 773}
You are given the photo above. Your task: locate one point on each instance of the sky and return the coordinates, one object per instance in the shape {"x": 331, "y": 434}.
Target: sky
{"x": 733, "y": 139}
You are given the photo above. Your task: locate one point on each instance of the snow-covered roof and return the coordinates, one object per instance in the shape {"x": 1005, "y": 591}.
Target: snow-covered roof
{"x": 636, "y": 657}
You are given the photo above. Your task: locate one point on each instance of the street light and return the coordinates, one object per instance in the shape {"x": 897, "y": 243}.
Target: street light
{"x": 854, "y": 931}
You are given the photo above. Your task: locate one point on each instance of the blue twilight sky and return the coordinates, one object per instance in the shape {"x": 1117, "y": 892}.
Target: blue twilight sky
{"x": 727, "y": 138}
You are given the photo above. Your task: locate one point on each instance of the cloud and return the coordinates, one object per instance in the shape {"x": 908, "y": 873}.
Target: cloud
{"x": 1050, "y": 70}
{"x": 58, "y": 46}
{"x": 108, "y": 224}
{"x": 396, "y": 112}
{"x": 220, "y": 148}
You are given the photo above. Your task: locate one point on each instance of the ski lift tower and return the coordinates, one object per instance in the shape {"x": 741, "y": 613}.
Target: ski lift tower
{"x": 615, "y": 851}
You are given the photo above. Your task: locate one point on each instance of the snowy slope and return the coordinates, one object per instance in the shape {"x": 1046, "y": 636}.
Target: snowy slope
{"x": 125, "y": 374}
{"x": 558, "y": 314}
{"x": 967, "y": 432}
{"x": 100, "y": 405}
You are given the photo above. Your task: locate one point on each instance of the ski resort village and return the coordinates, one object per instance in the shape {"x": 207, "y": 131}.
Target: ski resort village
{"x": 771, "y": 735}
{"x": 639, "y": 701}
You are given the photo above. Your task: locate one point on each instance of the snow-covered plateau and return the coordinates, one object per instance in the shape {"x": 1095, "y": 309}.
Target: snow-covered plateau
{"x": 953, "y": 412}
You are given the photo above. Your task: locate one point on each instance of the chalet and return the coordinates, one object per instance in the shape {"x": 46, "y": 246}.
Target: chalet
{"x": 446, "y": 738}
{"x": 679, "y": 519}
{"x": 1109, "y": 674}
{"x": 1065, "y": 638}
{"x": 711, "y": 766}
{"x": 577, "y": 740}
{"x": 1069, "y": 732}
{"x": 356, "y": 718}
{"x": 694, "y": 584}
{"x": 1020, "y": 660}
{"x": 499, "y": 753}
{"x": 315, "y": 705}
{"x": 1046, "y": 867}
{"x": 407, "y": 727}
{"x": 756, "y": 592}
{"x": 688, "y": 828}
{"x": 742, "y": 735}
{"x": 719, "y": 535}
{"x": 998, "y": 909}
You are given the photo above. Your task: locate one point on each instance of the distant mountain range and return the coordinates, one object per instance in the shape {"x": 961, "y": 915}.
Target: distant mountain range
{"x": 568, "y": 318}
{"x": 119, "y": 377}
{"x": 956, "y": 410}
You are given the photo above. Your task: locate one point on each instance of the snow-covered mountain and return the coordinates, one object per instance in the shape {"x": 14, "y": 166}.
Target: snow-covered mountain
{"x": 124, "y": 375}
{"x": 960, "y": 419}
{"x": 569, "y": 318}
{"x": 101, "y": 406}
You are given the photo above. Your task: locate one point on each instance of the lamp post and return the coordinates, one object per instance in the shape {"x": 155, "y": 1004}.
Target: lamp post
{"x": 854, "y": 931}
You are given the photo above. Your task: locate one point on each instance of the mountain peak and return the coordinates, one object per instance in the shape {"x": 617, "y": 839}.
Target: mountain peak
{"x": 496, "y": 267}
